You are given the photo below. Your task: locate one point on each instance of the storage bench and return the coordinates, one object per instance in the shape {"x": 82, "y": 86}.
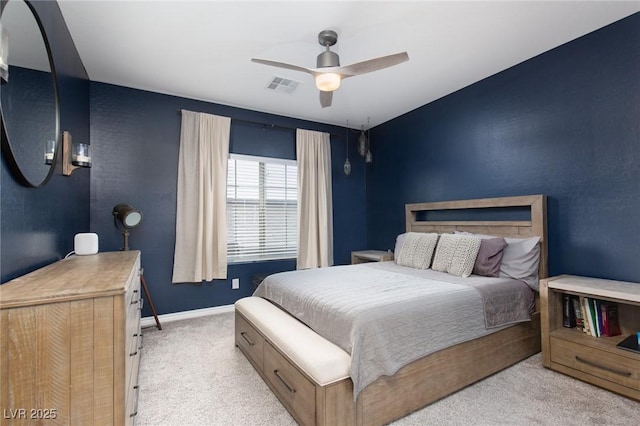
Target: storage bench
{"x": 306, "y": 372}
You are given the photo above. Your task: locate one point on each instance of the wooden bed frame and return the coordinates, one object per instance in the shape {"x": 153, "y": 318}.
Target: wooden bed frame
{"x": 444, "y": 372}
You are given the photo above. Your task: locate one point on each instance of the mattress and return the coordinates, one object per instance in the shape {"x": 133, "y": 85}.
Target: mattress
{"x": 386, "y": 315}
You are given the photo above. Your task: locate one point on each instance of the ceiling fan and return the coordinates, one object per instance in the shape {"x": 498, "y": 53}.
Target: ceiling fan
{"x": 328, "y": 73}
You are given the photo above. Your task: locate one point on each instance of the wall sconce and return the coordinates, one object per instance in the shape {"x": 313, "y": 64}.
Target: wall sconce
{"x": 4, "y": 54}
{"x": 126, "y": 217}
{"x": 74, "y": 156}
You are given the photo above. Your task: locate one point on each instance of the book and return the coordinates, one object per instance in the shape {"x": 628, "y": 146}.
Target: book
{"x": 631, "y": 343}
{"x": 577, "y": 310}
{"x": 588, "y": 307}
{"x": 596, "y": 316}
{"x": 585, "y": 317}
{"x": 610, "y": 322}
{"x": 604, "y": 316}
{"x": 568, "y": 313}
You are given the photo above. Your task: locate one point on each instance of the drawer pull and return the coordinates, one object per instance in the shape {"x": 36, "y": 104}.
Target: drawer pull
{"x": 603, "y": 367}
{"x": 244, "y": 336}
{"x": 134, "y": 353}
{"x": 289, "y": 388}
{"x": 135, "y": 409}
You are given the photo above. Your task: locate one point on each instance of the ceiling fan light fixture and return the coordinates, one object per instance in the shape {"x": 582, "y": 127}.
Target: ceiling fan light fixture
{"x": 328, "y": 81}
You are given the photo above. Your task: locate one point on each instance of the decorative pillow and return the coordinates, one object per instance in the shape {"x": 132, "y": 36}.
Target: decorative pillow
{"x": 456, "y": 254}
{"x": 489, "y": 257}
{"x": 464, "y": 256}
{"x": 444, "y": 253}
{"x": 416, "y": 249}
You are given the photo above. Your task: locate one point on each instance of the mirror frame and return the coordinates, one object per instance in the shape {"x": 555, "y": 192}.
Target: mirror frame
{"x": 7, "y": 152}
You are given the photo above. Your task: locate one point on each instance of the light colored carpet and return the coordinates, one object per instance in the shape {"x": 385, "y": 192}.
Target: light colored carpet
{"x": 191, "y": 373}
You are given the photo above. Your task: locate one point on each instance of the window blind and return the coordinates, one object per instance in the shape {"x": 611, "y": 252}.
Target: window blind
{"x": 262, "y": 202}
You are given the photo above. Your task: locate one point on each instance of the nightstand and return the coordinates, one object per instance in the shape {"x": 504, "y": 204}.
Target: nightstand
{"x": 596, "y": 360}
{"x": 364, "y": 256}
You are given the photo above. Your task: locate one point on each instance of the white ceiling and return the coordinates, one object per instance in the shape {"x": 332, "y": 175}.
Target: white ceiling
{"x": 202, "y": 49}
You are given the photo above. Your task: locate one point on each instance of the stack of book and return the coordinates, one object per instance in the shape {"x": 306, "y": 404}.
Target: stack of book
{"x": 593, "y": 316}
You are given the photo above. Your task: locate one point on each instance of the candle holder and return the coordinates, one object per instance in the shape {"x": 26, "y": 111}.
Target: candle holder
{"x": 74, "y": 156}
{"x": 49, "y": 152}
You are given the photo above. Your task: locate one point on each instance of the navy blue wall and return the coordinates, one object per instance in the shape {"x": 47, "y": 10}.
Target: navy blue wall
{"x": 565, "y": 124}
{"x": 38, "y": 225}
{"x": 135, "y": 139}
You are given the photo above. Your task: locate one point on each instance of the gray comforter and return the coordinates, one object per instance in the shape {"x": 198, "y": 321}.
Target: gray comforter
{"x": 387, "y": 316}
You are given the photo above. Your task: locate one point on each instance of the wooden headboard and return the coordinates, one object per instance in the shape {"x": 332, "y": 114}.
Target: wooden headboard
{"x": 536, "y": 226}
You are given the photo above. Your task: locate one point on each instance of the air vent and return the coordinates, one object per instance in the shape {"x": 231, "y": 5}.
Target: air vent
{"x": 282, "y": 85}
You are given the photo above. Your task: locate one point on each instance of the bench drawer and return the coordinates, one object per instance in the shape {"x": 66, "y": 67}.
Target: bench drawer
{"x": 249, "y": 340}
{"x": 291, "y": 386}
{"x": 599, "y": 363}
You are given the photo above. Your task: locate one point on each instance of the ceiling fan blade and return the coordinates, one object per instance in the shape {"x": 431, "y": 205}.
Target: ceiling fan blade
{"x": 282, "y": 65}
{"x": 372, "y": 64}
{"x": 325, "y": 99}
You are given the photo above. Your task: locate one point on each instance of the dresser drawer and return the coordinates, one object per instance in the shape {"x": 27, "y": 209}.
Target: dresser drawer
{"x": 134, "y": 346}
{"x": 132, "y": 393}
{"x": 292, "y": 387}
{"x": 599, "y": 363}
{"x": 249, "y": 340}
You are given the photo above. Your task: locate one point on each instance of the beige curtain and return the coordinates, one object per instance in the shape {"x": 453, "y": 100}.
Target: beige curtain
{"x": 315, "y": 207}
{"x": 201, "y": 217}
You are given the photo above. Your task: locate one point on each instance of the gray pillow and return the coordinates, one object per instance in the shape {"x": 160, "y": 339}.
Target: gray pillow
{"x": 489, "y": 257}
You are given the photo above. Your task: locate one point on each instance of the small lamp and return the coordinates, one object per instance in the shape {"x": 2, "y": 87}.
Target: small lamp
{"x": 126, "y": 217}
{"x": 347, "y": 163}
{"x": 362, "y": 143}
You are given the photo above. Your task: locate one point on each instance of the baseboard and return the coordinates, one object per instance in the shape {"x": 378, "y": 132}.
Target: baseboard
{"x": 176, "y": 316}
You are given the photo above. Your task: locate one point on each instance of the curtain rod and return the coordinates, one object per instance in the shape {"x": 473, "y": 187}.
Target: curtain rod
{"x": 273, "y": 126}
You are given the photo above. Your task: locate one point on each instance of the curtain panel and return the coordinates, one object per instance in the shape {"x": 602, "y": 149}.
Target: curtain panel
{"x": 315, "y": 207}
{"x": 201, "y": 216}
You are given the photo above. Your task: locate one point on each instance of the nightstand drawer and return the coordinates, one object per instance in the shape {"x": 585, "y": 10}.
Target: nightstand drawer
{"x": 599, "y": 363}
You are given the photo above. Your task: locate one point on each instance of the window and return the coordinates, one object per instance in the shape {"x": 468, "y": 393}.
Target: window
{"x": 262, "y": 203}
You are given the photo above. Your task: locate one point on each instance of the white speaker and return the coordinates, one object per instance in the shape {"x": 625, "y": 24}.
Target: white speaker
{"x": 86, "y": 243}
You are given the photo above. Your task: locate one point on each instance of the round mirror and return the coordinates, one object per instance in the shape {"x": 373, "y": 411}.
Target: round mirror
{"x": 29, "y": 97}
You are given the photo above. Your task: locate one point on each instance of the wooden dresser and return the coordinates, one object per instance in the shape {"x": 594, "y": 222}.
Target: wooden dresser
{"x": 70, "y": 342}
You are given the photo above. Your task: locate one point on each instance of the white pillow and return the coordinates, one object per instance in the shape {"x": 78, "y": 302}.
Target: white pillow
{"x": 520, "y": 260}
{"x": 415, "y": 249}
{"x": 456, "y": 254}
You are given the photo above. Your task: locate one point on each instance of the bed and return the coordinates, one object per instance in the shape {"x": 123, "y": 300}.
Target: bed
{"x": 313, "y": 375}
